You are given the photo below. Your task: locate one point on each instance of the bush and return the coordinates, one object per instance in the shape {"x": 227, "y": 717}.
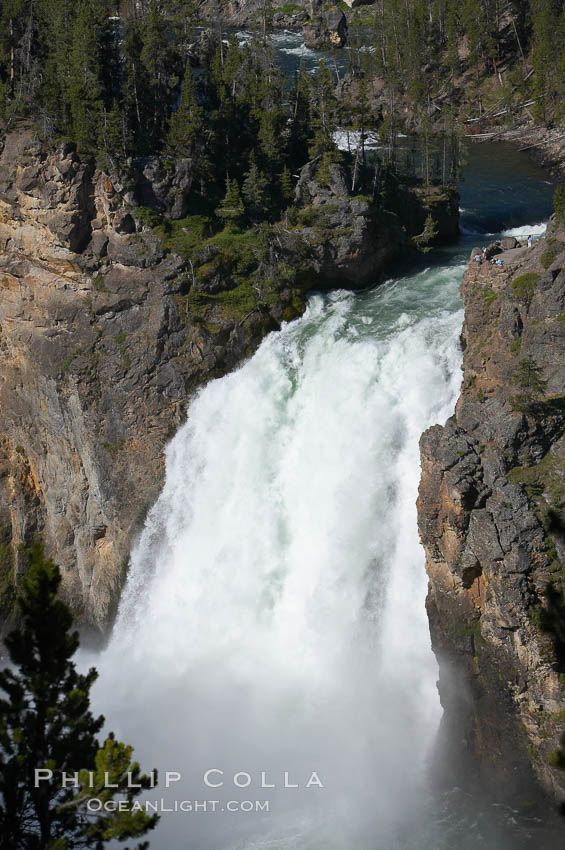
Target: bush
{"x": 490, "y": 296}
{"x": 551, "y": 253}
{"x": 528, "y": 377}
{"x": 515, "y": 346}
{"x": 187, "y": 235}
{"x": 98, "y": 283}
{"x": 287, "y": 9}
{"x": 524, "y": 285}
{"x": 559, "y": 204}
{"x": 148, "y": 216}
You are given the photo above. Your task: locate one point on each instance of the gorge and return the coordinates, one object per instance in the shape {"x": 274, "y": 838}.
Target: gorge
{"x": 274, "y": 609}
{"x": 297, "y": 452}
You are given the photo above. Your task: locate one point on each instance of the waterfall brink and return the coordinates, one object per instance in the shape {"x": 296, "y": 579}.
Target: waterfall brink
{"x": 273, "y": 620}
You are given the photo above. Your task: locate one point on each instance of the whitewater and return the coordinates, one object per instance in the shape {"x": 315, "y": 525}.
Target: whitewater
{"x": 274, "y": 617}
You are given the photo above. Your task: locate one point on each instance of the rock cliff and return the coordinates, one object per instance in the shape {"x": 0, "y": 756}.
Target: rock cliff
{"x": 492, "y": 522}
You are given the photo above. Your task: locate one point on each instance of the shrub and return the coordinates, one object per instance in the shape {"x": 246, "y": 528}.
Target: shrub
{"x": 551, "y": 253}
{"x": 515, "y": 346}
{"x": 524, "y": 285}
{"x": 490, "y": 296}
{"x": 188, "y": 235}
{"x": 287, "y": 9}
{"x": 559, "y": 204}
{"x": 98, "y": 283}
{"x": 531, "y": 384}
{"x": 148, "y": 216}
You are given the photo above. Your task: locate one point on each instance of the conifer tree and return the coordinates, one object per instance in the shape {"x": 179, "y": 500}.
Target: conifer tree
{"x": 85, "y": 90}
{"x": 254, "y": 190}
{"x": 287, "y": 189}
{"x": 531, "y": 384}
{"x": 186, "y": 124}
{"x": 46, "y": 724}
{"x": 428, "y": 234}
{"x": 155, "y": 57}
{"x": 231, "y": 210}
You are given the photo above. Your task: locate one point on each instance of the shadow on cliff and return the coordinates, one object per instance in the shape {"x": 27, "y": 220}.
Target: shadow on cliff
{"x": 552, "y": 621}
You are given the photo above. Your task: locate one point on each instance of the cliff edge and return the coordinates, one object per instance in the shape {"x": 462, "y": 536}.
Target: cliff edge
{"x": 492, "y": 521}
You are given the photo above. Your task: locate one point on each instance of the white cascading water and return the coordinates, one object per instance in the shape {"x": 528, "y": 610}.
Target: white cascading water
{"x": 273, "y": 619}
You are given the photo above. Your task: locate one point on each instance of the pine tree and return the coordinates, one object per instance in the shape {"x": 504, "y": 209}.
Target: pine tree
{"x": 531, "y": 384}
{"x": 85, "y": 91}
{"x": 156, "y": 58}
{"x": 287, "y": 189}
{"x": 254, "y": 191}
{"x": 429, "y": 233}
{"x": 46, "y": 724}
{"x": 186, "y": 124}
{"x": 114, "y": 138}
{"x": 323, "y": 107}
{"x": 271, "y": 139}
{"x": 231, "y": 210}
{"x": 56, "y": 24}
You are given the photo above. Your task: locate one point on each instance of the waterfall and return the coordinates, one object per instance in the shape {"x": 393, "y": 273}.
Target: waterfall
{"x": 273, "y": 619}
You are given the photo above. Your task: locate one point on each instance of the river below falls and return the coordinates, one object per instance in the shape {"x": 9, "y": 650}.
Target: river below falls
{"x": 273, "y": 621}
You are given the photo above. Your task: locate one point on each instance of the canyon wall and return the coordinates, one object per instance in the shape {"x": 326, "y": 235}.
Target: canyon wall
{"x": 492, "y": 522}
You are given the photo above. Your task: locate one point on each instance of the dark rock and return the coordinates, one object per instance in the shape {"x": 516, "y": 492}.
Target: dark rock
{"x": 326, "y": 27}
{"x": 124, "y": 223}
{"x": 99, "y": 244}
{"x": 142, "y": 250}
{"x": 493, "y": 249}
{"x": 164, "y": 185}
{"x": 508, "y": 243}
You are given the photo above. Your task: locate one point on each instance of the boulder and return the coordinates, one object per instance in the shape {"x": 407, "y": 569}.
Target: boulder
{"x": 99, "y": 244}
{"x": 493, "y": 249}
{"x": 163, "y": 184}
{"x": 124, "y": 223}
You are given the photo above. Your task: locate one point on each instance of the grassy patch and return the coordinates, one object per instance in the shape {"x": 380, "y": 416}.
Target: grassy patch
{"x": 316, "y": 216}
{"x": 490, "y": 296}
{"x": 148, "y": 217}
{"x": 287, "y": 9}
{"x": 187, "y": 236}
{"x": 98, "y": 283}
{"x": 515, "y": 346}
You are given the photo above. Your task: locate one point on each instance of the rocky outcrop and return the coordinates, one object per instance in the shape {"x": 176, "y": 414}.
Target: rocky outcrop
{"x": 346, "y": 241}
{"x": 492, "y": 519}
{"x": 326, "y": 27}
{"x": 349, "y": 240}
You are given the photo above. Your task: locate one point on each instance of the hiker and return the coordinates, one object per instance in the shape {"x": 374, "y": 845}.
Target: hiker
{"x": 499, "y": 263}
{"x": 484, "y": 254}
{"x": 530, "y": 243}
{"x": 478, "y": 258}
